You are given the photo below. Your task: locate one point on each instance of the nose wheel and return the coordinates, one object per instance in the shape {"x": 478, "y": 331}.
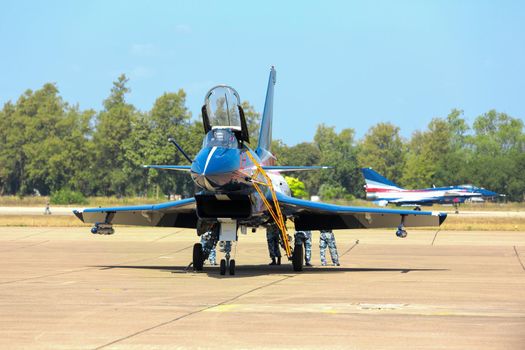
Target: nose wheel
{"x": 227, "y": 264}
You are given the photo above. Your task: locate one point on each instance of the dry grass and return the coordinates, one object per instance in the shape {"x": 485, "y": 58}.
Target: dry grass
{"x": 14, "y": 201}
{"x": 483, "y": 223}
{"x": 40, "y": 221}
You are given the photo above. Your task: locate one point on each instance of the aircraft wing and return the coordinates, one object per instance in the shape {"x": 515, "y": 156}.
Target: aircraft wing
{"x": 292, "y": 168}
{"x": 169, "y": 167}
{"x": 171, "y": 214}
{"x": 319, "y": 216}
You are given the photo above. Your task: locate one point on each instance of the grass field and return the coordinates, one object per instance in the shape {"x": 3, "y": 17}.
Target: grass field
{"x": 33, "y": 201}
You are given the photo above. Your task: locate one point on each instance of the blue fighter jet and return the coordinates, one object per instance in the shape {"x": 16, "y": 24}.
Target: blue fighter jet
{"x": 242, "y": 189}
{"x": 382, "y": 192}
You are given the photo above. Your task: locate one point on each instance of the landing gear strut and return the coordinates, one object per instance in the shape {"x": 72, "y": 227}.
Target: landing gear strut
{"x": 401, "y": 232}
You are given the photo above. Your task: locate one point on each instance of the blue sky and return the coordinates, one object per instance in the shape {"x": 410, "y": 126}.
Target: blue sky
{"x": 350, "y": 64}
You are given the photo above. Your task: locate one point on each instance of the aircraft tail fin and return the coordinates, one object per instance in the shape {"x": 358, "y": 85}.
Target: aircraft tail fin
{"x": 265, "y": 135}
{"x": 376, "y": 182}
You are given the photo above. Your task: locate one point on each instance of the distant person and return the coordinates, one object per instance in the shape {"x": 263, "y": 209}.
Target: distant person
{"x": 47, "y": 211}
{"x": 305, "y": 238}
{"x": 272, "y": 237}
{"x": 456, "y": 205}
{"x": 208, "y": 245}
{"x": 327, "y": 239}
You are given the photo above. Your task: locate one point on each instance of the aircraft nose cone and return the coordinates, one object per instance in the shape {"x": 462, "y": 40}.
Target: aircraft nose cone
{"x": 215, "y": 167}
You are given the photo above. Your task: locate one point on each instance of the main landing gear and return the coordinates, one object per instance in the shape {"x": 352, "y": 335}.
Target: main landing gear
{"x": 298, "y": 257}
{"x": 198, "y": 257}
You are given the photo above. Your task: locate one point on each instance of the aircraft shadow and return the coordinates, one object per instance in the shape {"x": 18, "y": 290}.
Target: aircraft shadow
{"x": 260, "y": 270}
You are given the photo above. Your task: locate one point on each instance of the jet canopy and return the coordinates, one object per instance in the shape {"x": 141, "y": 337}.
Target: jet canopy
{"x": 222, "y": 109}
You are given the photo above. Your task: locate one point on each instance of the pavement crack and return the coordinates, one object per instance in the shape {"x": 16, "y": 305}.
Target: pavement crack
{"x": 435, "y": 236}
{"x": 143, "y": 259}
{"x": 24, "y": 246}
{"x": 519, "y": 259}
{"x": 31, "y": 235}
{"x": 169, "y": 234}
{"x": 87, "y": 268}
{"x": 49, "y": 275}
{"x": 142, "y": 331}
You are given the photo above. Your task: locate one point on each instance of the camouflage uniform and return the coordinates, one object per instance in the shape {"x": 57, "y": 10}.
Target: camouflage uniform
{"x": 327, "y": 239}
{"x": 208, "y": 247}
{"x": 305, "y": 237}
{"x": 272, "y": 237}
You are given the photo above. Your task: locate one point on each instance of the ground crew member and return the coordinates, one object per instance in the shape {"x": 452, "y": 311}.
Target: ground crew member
{"x": 272, "y": 237}
{"x": 305, "y": 237}
{"x": 327, "y": 239}
{"x": 47, "y": 211}
{"x": 207, "y": 245}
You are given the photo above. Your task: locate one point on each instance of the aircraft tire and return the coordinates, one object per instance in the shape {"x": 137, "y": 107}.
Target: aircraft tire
{"x": 198, "y": 258}
{"x": 232, "y": 267}
{"x": 222, "y": 267}
{"x": 297, "y": 258}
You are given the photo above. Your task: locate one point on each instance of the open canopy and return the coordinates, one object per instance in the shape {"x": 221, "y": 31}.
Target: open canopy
{"x": 222, "y": 109}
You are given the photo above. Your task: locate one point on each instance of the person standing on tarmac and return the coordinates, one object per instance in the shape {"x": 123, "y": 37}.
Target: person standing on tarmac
{"x": 305, "y": 237}
{"x": 327, "y": 239}
{"x": 207, "y": 244}
{"x": 272, "y": 237}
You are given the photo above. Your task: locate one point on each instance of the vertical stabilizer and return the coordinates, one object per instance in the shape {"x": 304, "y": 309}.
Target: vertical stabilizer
{"x": 265, "y": 135}
{"x": 376, "y": 182}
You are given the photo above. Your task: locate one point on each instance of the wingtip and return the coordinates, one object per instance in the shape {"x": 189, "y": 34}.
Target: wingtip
{"x": 442, "y": 217}
{"x": 79, "y": 214}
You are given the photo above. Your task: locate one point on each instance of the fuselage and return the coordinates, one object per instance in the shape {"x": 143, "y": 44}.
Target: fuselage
{"x": 225, "y": 174}
{"x": 426, "y": 196}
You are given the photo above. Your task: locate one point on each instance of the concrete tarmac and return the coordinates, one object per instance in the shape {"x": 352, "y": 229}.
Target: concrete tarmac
{"x": 63, "y": 288}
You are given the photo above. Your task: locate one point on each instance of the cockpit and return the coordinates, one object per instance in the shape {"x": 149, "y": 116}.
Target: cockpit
{"x": 218, "y": 137}
{"x": 222, "y": 112}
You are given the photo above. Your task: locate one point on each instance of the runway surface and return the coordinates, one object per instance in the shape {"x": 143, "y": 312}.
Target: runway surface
{"x": 63, "y": 288}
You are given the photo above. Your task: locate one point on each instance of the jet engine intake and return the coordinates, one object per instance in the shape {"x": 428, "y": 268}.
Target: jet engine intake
{"x": 232, "y": 206}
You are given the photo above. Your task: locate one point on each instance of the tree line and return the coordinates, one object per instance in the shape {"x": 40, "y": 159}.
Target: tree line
{"x": 47, "y": 144}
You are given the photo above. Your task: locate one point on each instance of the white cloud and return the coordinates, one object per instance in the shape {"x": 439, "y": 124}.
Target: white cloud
{"x": 183, "y": 29}
{"x": 144, "y": 50}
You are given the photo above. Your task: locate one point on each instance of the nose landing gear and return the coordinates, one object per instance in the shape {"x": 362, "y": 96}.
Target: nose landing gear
{"x": 227, "y": 263}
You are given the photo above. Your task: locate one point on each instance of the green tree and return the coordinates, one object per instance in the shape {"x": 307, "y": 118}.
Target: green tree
{"x": 113, "y": 129}
{"x": 439, "y": 155}
{"x": 339, "y": 152}
{"x": 498, "y": 145}
{"x": 383, "y": 150}
{"x": 296, "y": 186}
{"x": 169, "y": 117}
